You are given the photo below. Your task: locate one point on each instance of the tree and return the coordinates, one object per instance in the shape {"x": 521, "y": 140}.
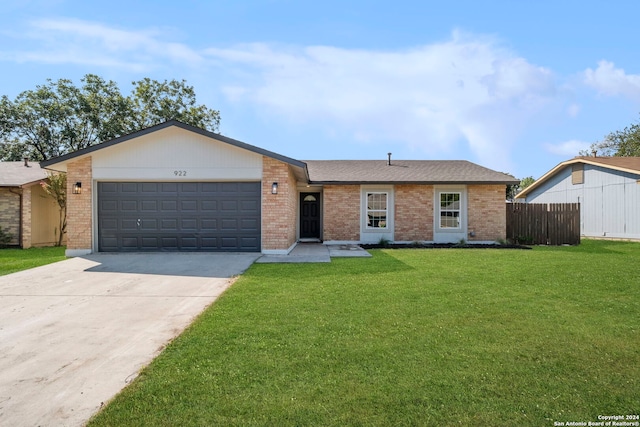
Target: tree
{"x": 621, "y": 143}
{"x": 525, "y": 182}
{"x": 155, "y": 102}
{"x": 56, "y": 187}
{"x": 514, "y": 189}
{"x": 57, "y": 118}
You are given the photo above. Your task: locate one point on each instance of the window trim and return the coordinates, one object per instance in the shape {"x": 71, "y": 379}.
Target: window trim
{"x": 459, "y": 210}
{"x": 367, "y": 210}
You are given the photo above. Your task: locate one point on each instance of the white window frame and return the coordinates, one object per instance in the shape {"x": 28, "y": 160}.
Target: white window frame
{"x": 385, "y": 211}
{"x": 459, "y": 210}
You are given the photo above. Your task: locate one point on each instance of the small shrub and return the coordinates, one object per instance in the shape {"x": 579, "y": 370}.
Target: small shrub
{"x": 5, "y": 237}
{"x": 384, "y": 243}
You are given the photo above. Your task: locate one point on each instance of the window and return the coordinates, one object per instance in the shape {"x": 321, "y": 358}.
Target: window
{"x": 377, "y": 210}
{"x": 449, "y": 210}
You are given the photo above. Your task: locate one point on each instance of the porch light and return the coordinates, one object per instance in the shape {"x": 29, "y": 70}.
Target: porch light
{"x": 77, "y": 188}
{"x": 274, "y": 188}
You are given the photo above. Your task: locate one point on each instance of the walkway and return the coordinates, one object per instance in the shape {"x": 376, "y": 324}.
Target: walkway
{"x": 315, "y": 252}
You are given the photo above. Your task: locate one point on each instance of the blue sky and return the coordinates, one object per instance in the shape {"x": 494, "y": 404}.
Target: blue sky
{"x": 517, "y": 86}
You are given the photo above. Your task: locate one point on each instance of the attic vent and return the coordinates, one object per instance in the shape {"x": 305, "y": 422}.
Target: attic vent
{"x": 577, "y": 173}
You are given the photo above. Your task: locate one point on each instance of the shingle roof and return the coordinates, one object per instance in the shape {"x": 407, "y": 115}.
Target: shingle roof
{"x": 403, "y": 171}
{"x": 630, "y": 163}
{"x": 16, "y": 174}
{"x": 624, "y": 164}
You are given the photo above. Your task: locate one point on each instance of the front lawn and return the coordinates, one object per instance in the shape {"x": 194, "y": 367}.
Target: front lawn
{"x": 408, "y": 337}
{"x": 12, "y": 260}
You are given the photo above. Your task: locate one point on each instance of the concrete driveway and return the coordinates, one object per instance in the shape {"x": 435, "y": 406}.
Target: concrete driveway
{"x": 74, "y": 333}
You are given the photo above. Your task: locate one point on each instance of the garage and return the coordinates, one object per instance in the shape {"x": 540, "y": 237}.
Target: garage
{"x": 179, "y": 216}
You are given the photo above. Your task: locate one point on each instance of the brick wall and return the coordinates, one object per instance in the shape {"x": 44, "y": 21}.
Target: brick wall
{"x": 26, "y": 218}
{"x": 79, "y": 209}
{"x": 10, "y": 212}
{"x": 278, "y": 210}
{"x": 487, "y": 213}
{"x": 341, "y": 210}
{"x": 414, "y": 213}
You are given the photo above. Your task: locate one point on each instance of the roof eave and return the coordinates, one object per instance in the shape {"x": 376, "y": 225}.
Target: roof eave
{"x": 377, "y": 182}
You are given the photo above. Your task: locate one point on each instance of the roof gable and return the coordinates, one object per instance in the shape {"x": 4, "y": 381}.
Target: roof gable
{"x": 623, "y": 164}
{"x": 239, "y": 144}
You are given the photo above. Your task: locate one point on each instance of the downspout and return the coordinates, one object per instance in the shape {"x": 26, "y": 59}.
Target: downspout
{"x": 20, "y": 220}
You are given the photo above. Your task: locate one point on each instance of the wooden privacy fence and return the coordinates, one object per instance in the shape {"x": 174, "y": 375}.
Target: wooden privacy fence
{"x": 544, "y": 223}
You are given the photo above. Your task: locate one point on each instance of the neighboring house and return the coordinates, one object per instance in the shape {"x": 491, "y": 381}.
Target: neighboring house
{"x": 27, "y": 212}
{"x": 177, "y": 187}
{"x": 607, "y": 188}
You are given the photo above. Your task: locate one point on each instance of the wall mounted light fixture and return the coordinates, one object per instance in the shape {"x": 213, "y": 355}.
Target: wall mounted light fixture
{"x": 274, "y": 188}
{"x": 77, "y": 188}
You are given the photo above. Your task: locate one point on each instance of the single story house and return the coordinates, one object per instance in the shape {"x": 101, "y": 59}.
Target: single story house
{"x": 177, "y": 187}
{"x": 607, "y": 188}
{"x": 27, "y": 212}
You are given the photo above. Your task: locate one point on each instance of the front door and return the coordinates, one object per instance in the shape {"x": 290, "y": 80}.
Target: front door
{"x": 309, "y": 215}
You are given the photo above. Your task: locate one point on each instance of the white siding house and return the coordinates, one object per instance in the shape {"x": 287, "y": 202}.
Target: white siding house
{"x": 607, "y": 188}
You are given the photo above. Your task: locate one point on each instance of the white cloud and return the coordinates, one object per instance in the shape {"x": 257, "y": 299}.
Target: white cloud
{"x": 64, "y": 41}
{"x": 569, "y": 148}
{"x": 466, "y": 90}
{"x": 431, "y": 97}
{"x": 573, "y": 110}
{"x": 612, "y": 81}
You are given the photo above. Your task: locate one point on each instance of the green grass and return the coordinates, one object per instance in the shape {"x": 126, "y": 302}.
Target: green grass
{"x": 13, "y": 260}
{"x": 408, "y": 337}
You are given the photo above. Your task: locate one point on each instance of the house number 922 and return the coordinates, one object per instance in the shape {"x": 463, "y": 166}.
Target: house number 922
{"x": 180, "y": 173}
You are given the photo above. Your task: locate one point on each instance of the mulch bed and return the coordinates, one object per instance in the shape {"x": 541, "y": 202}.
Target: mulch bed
{"x": 442, "y": 246}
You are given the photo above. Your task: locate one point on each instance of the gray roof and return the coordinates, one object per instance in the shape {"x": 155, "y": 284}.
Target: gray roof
{"x": 403, "y": 172}
{"x": 16, "y": 174}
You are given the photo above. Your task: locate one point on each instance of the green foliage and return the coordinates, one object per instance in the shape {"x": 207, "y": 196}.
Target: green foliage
{"x": 525, "y": 182}
{"x": 621, "y": 143}
{"x": 58, "y": 117}
{"x": 383, "y": 242}
{"x": 5, "y": 237}
{"x": 408, "y": 337}
{"x": 154, "y": 102}
{"x": 56, "y": 187}
{"x": 14, "y": 260}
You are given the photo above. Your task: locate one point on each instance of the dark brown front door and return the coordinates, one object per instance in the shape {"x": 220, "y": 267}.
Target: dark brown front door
{"x": 309, "y": 215}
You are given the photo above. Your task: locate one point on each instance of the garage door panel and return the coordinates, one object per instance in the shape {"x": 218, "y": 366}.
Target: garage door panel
{"x": 149, "y": 205}
{"x": 189, "y": 224}
{"x": 128, "y": 187}
{"x": 128, "y": 206}
{"x": 188, "y": 205}
{"x": 179, "y": 216}
{"x": 209, "y": 205}
{"x": 209, "y": 225}
{"x": 169, "y": 205}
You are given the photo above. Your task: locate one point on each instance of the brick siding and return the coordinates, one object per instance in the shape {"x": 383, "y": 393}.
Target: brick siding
{"x": 10, "y": 213}
{"x": 487, "y": 212}
{"x": 413, "y": 213}
{"x": 341, "y": 212}
{"x": 26, "y": 218}
{"x": 79, "y": 211}
{"x": 278, "y": 210}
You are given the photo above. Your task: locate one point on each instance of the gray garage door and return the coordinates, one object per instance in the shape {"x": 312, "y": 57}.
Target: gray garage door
{"x": 179, "y": 216}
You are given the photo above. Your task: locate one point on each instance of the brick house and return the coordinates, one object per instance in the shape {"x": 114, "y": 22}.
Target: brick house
{"x": 177, "y": 187}
{"x": 27, "y": 213}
